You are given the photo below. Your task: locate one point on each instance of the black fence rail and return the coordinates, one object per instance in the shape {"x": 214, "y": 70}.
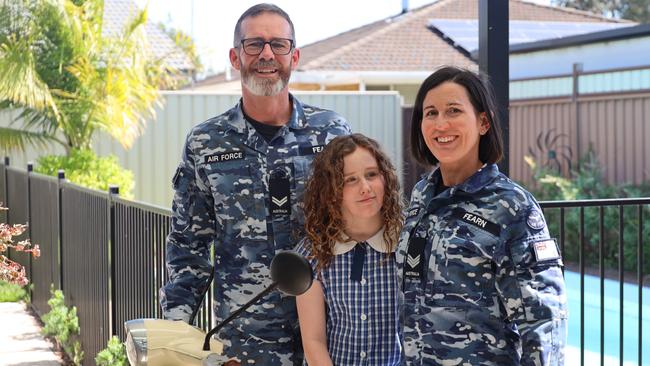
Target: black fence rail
{"x": 3, "y": 192}
{"x": 139, "y": 270}
{"x": 85, "y": 270}
{"x": 44, "y": 230}
{"x": 18, "y": 213}
{"x": 107, "y": 254}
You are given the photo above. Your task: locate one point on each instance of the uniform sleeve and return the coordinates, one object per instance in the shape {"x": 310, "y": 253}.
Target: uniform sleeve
{"x": 531, "y": 286}
{"x": 340, "y": 127}
{"x": 345, "y": 127}
{"x": 187, "y": 246}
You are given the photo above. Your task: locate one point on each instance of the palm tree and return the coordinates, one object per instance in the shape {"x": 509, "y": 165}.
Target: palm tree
{"x": 68, "y": 80}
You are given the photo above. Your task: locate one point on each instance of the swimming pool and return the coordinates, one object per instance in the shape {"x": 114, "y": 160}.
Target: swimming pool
{"x": 611, "y": 330}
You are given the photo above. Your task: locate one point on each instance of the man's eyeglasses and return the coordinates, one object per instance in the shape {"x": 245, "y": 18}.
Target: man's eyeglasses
{"x": 279, "y": 46}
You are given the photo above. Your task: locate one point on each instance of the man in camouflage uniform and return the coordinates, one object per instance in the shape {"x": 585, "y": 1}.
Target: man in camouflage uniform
{"x": 239, "y": 187}
{"x": 481, "y": 278}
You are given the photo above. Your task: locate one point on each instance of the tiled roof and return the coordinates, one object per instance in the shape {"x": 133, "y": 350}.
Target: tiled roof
{"x": 404, "y": 43}
{"x": 117, "y": 14}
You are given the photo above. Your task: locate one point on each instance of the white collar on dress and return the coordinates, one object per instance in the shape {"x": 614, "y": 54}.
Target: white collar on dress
{"x": 376, "y": 242}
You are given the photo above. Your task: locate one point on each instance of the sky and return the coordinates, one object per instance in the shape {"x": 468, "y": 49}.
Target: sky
{"x": 211, "y": 22}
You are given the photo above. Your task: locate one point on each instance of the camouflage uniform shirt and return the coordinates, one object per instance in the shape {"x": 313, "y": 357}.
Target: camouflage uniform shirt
{"x": 481, "y": 280}
{"x": 223, "y": 198}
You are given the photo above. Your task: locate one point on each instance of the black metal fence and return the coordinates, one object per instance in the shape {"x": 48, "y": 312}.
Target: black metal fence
{"x": 17, "y": 193}
{"x": 107, "y": 254}
{"x": 85, "y": 263}
{"x": 3, "y": 192}
{"x": 136, "y": 294}
{"x": 606, "y": 238}
{"x": 44, "y": 229}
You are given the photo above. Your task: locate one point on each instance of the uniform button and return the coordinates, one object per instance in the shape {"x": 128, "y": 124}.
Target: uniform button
{"x": 363, "y": 317}
{"x": 363, "y": 281}
{"x": 362, "y": 354}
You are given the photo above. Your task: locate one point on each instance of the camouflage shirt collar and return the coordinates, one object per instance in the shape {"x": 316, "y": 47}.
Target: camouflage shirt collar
{"x": 474, "y": 183}
{"x": 296, "y": 121}
{"x": 376, "y": 242}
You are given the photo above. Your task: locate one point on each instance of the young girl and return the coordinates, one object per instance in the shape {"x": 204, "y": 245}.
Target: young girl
{"x": 353, "y": 217}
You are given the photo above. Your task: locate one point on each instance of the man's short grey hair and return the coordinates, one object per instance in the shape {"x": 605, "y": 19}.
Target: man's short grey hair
{"x": 256, "y": 10}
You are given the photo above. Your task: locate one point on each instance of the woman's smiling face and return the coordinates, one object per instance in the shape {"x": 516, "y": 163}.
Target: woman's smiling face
{"x": 451, "y": 128}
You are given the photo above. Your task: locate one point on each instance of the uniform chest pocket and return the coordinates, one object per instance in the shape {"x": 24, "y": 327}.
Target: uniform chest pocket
{"x": 301, "y": 171}
{"x": 464, "y": 272}
{"x": 234, "y": 189}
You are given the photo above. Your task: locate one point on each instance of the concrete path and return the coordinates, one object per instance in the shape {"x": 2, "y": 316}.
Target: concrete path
{"x": 21, "y": 342}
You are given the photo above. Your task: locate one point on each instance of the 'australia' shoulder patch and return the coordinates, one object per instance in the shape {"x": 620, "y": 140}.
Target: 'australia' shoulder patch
{"x": 546, "y": 250}
{"x": 478, "y": 221}
{"x": 535, "y": 219}
{"x": 222, "y": 157}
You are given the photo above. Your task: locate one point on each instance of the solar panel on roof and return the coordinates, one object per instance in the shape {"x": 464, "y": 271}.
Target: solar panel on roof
{"x": 464, "y": 32}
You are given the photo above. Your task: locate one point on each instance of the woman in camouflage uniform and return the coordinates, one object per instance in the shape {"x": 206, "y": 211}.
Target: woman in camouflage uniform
{"x": 481, "y": 279}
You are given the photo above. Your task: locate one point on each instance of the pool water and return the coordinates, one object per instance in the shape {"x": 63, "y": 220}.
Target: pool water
{"x": 612, "y": 321}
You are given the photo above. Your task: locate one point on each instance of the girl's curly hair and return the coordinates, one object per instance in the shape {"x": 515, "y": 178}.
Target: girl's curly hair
{"x": 324, "y": 195}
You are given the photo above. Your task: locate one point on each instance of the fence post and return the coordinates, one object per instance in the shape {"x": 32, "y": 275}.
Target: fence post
{"x": 30, "y": 169}
{"x": 59, "y": 199}
{"x": 113, "y": 191}
{"x": 577, "y": 69}
{"x": 6, "y": 195}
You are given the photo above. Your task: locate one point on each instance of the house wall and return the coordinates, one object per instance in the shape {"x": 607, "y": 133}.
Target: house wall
{"x": 595, "y": 56}
{"x": 406, "y": 91}
{"x": 606, "y": 81}
{"x": 154, "y": 156}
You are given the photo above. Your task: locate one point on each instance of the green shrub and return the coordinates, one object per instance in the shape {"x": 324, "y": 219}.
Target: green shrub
{"x": 10, "y": 292}
{"x": 85, "y": 168}
{"x": 62, "y": 323}
{"x": 587, "y": 183}
{"x": 113, "y": 355}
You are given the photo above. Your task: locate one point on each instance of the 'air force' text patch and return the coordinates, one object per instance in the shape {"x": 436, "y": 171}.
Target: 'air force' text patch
{"x": 221, "y": 157}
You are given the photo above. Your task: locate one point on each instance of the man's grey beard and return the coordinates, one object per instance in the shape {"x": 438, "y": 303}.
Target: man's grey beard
{"x": 264, "y": 87}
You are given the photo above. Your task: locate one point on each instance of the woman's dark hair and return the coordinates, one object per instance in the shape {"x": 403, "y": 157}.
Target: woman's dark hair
{"x": 480, "y": 95}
